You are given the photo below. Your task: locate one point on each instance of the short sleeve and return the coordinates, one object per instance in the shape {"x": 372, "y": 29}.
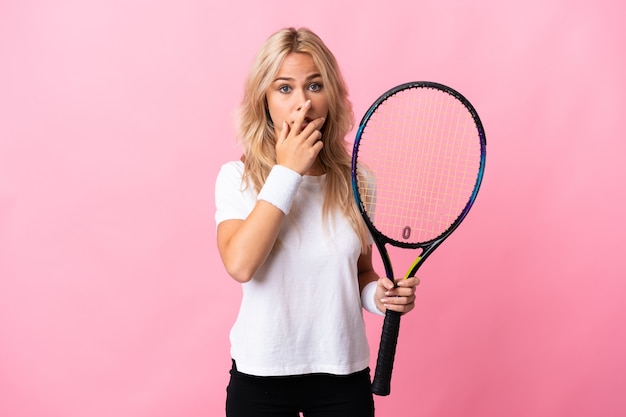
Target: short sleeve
{"x": 232, "y": 199}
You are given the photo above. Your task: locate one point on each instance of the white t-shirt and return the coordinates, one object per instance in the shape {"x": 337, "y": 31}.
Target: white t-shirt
{"x": 301, "y": 312}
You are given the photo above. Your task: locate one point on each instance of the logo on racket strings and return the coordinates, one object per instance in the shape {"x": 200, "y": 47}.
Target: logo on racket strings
{"x": 406, "y": 232}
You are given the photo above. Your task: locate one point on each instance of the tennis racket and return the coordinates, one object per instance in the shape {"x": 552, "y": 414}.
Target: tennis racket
{"x": 417, "y": 165}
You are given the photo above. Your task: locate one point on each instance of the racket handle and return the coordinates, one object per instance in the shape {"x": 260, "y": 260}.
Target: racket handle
{"x": 386, "y": 353}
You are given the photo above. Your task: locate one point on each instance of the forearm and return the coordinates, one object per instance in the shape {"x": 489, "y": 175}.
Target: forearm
{"x": 369, "y": 287}
{"x": 368, "y": 284}
{"x": 365, "y": 277}
{"x": 244, "y": 245}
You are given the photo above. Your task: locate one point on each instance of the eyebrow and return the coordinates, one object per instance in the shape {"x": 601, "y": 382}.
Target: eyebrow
{"x": 310, "y": 77}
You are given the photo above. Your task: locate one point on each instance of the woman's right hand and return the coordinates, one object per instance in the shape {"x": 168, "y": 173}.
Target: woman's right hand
{"x": 299, "y": 142}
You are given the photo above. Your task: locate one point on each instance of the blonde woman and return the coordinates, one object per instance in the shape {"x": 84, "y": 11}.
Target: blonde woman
{"x": 289, "y": 230}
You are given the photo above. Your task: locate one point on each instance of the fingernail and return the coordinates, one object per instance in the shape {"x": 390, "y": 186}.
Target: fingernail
{"x": 383, "y": 300}
{"x": 308, "y": 103}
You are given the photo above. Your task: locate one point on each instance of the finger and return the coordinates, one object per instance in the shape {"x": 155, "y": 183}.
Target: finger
{"x": 414, "y": 280}
{"x": 404, "y": 308}
{"x": 282, "y": 135}
{"x": 400, "y": 293}
{"x": 398, "y": 300}
{"x": 386, "y": 283}
{"x": 399, "y": 304}
{"x": 409, "y": 282}
{"x": 301, "y": 112}
{"x": 304, "y": 106}
{"x": 312, "y": 132}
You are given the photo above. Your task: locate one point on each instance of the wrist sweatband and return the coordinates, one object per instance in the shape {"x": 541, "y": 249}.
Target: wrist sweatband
{"x": 280, "y": 187}
{"x": 367, "y": 298}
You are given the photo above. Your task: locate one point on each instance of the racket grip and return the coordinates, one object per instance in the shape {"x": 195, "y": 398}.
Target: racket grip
{"x": 386, "y": 353}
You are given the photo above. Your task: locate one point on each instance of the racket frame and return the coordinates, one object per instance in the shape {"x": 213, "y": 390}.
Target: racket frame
{"x": 381, "y": 384}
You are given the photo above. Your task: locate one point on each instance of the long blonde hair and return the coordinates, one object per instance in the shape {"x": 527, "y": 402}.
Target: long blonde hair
{"x": 256, "y": 132}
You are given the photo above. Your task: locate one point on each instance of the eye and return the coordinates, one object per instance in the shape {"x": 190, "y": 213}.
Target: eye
{"x": 315, "y": 87}
{"x": 284, "y": 89}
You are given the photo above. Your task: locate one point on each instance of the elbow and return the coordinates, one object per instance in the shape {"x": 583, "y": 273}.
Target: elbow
{"x": 240, "y": 277}
{"x": 240, "y": 260}
{"x": 239, "y": 271}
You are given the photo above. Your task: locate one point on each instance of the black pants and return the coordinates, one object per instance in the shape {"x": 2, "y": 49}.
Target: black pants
{"x": 315, "y": 395}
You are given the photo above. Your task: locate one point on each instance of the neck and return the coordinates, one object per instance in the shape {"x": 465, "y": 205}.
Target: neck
{"x": 316, "y": 170}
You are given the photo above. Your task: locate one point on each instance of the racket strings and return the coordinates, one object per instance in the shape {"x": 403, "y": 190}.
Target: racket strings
{"x": 418, "y": 161}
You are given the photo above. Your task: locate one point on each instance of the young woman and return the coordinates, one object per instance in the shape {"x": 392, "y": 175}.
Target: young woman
{"x": 289, "y": 230}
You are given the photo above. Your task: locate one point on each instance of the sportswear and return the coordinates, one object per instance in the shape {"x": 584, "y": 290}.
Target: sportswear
{"x": 301, "y": 311}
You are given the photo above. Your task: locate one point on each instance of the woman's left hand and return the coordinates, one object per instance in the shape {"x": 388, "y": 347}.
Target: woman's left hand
{"x": 400, "y": 297}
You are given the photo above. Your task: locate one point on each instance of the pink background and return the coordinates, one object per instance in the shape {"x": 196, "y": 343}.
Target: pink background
{"x": 116, "y": 115}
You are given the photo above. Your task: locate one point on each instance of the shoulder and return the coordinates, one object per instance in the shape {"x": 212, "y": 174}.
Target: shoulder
{"x": 233, "y": 199}
{"x": 232, "y": 168}
{"x": 230, "y": 172}
{"x": 230, "y": 176}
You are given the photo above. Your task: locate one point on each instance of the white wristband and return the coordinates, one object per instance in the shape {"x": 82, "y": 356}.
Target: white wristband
{"x": 280, "y": 187}
{"x": 367, "y": 298}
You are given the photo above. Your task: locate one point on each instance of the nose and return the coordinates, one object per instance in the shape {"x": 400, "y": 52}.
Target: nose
{"x": 301, "y": 97}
